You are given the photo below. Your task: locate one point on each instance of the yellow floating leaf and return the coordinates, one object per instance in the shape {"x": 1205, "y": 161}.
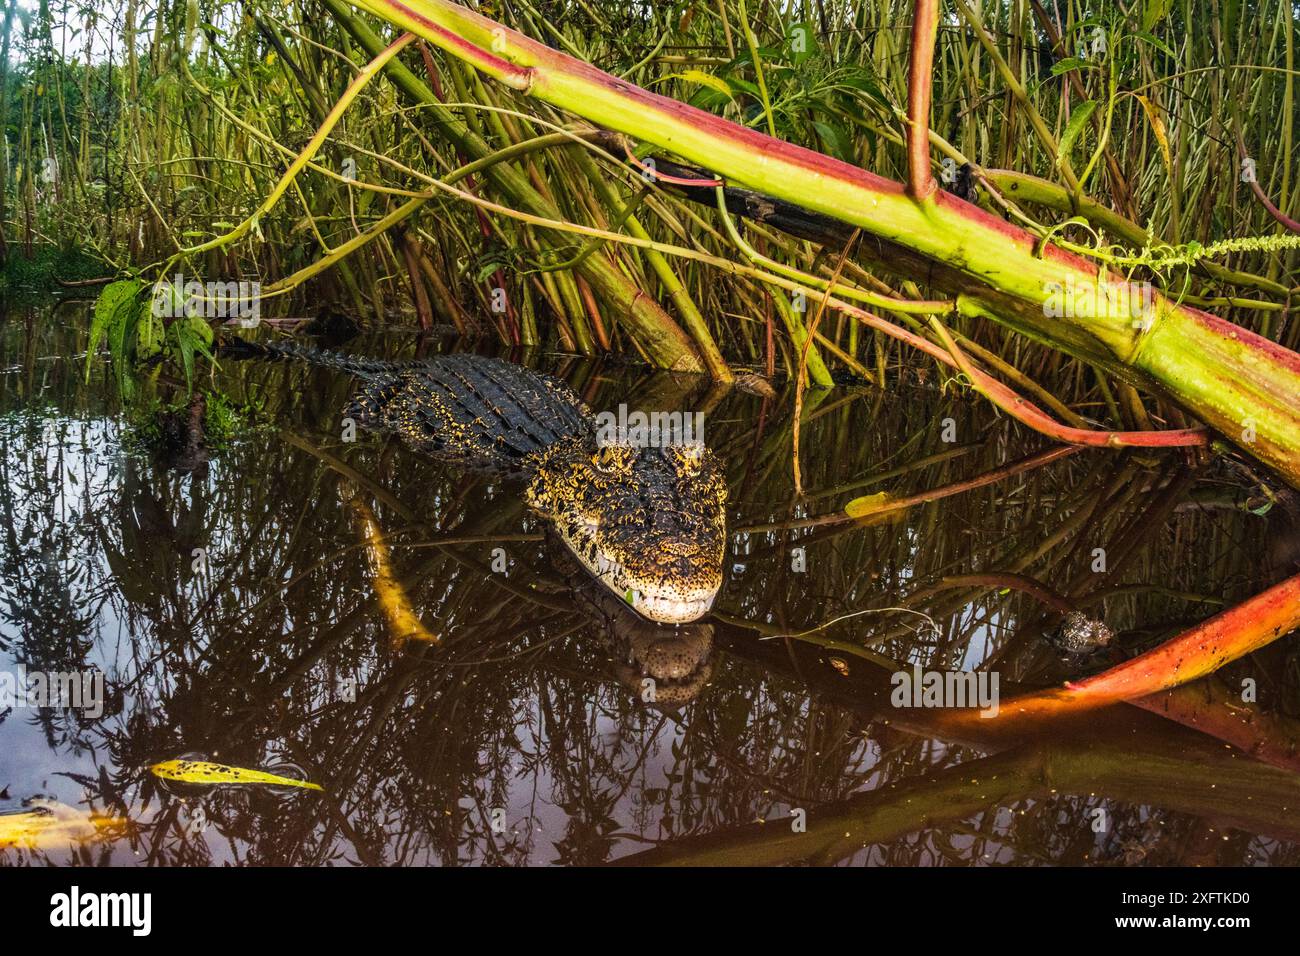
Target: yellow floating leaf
{"x": 868, "y": 505}
{"x": 51, "y": 824}
{"x": 403, "y": 623}
{"x": 203, "y": 772}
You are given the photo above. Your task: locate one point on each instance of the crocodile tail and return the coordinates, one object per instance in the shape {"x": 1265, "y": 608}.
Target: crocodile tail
{"x": 479, "y": 412}
{"x": 237, "y": 348}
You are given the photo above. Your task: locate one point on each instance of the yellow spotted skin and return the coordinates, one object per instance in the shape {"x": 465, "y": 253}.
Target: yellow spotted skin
{"x": 648, "y": 523}
{"x": 478, "y": 412}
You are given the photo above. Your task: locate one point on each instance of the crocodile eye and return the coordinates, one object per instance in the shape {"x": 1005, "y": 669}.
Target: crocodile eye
{"x": 688, "y": 457}
{"x": 606, "y": 458}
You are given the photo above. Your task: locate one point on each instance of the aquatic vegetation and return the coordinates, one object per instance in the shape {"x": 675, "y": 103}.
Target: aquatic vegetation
{"x": 273, "y": 643}
{"x": 49, "y": 270}
{"x": 135, "y": 332}
{"x": 157, "y": 426}
{"x": 205, "y": 773}
{"x": 504, "y": 216}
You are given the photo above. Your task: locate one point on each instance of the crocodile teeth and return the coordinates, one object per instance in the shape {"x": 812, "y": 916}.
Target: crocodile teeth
{"x": 670, "y": 608}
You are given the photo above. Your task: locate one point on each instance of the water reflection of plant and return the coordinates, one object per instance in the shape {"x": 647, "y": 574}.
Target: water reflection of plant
{"x": 249, "y": 658}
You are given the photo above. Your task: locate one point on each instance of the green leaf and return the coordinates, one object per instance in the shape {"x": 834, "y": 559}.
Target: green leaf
{"x": 486, "y": 270}
{"x": 1068, "y": 64}
{"x": 802, "y": 41}
{"x": 149, "y": 333}
{"x": 837, "y": 143}
{"x": 115, "y": 298}
{"x": 193, "y": 336}
{"x": 745, "y": 86}
{"x": 708, "y": 100}
{"x": 1073, "y": 128}
{"x": 865, "y": 82}
{"x": 1154, "y": 12}
{"x": 1159, "y": 44}
{"x": 121, "y": 342}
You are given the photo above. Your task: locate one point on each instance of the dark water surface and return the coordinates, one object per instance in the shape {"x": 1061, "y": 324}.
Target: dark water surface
{"x": 523, "y": 736}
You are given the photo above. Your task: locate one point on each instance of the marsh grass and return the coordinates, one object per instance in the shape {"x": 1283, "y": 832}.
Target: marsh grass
{"x": 168, "y": 124}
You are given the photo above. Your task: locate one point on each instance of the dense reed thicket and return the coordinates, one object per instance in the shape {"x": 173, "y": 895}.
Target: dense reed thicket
{"x": 154, "y": 136}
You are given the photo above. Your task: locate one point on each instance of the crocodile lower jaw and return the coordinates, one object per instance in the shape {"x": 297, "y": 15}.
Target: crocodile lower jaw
{"x": 670, "y": 609}
{"x": 654, "y": 603}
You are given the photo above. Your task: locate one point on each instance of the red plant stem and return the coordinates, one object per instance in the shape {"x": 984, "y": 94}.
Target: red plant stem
{"x": 1030, "y": 415}
{"x": 593, "y": 311}
{"x": 1196, "y": 652}
{"x": 1018, "y": 408}
{"x": 1036, "y": 460}
{"x": 920, "y": 80}
{"x": 655, "y": 174}
{"x": 1262, "y": 196}
{"x": 515, "y": 77}
{"x": 432, "y": 70}
{"x": 1273, "y": 211}
{"x": 1213, "y": 708}
{"x": 1202, "y": 649}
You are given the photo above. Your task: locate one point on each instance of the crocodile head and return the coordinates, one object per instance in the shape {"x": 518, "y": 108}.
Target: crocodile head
{"x": 648, "y": 523}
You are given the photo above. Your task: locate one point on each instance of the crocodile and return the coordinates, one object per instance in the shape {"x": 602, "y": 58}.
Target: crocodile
{"x": 1080, "y": 635}
{"x": 648, "y": 523}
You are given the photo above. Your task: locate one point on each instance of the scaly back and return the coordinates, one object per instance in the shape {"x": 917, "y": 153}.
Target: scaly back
{"x": 478, "y": 412}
